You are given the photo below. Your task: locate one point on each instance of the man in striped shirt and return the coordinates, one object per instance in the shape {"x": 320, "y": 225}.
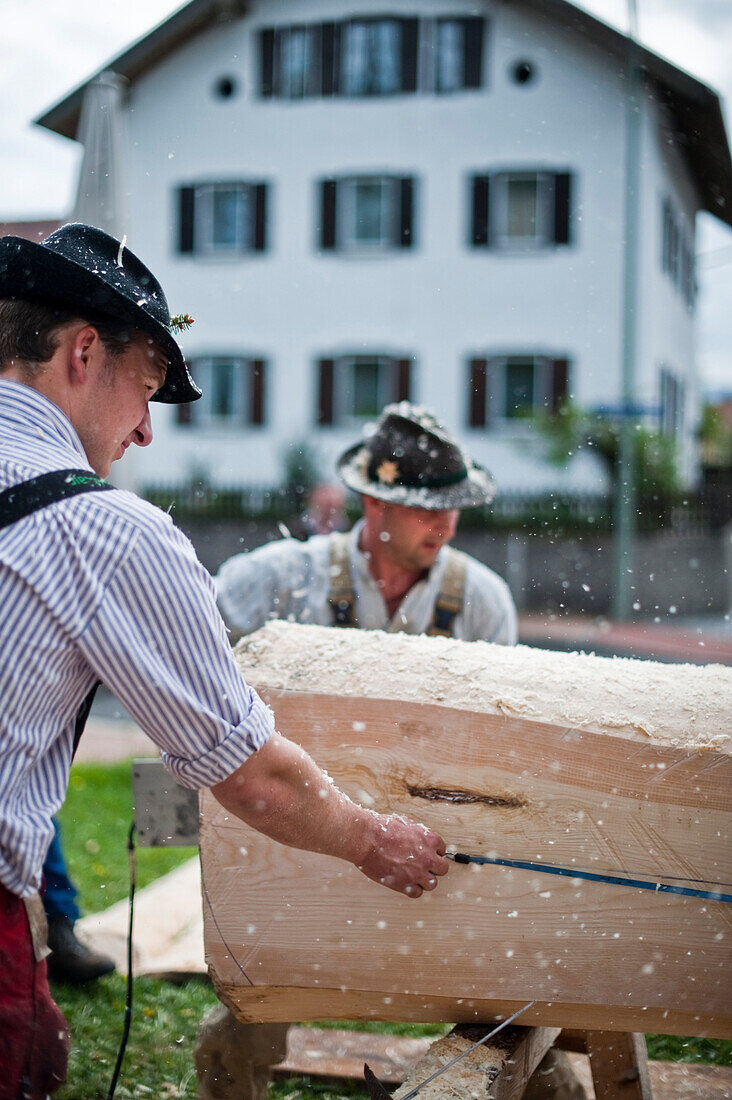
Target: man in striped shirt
{"x": 102, "y": 586}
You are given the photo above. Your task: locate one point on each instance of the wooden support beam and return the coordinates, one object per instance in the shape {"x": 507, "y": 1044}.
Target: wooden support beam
{"x": 616, "y": 767}
{"x": 500, "y": 1068}
{"x": 619, "y": 1065}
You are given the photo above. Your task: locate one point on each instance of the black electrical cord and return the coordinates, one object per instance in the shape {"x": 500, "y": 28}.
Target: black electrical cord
{"x": 128, "y": 1004}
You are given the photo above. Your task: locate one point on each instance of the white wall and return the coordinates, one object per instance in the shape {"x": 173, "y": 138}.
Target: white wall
{"x": 439, "y": 301}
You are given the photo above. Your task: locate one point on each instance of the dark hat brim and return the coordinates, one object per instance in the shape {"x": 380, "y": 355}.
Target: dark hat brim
{"x": 29, "y": 270}
{"x": 476, "y": 488}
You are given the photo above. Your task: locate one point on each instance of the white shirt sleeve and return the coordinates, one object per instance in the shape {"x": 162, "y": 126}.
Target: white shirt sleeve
{"x": 286, "y": 579}
{"x": 158, "y": 641}
{"x": 489, "y": 613}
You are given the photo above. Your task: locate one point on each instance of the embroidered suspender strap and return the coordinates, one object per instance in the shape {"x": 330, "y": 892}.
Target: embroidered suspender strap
{"x": 451, "y": 597}
{"x": 39, "y": 492}
{"x": 30, "y": 496}
{"x": 342, "y": 594}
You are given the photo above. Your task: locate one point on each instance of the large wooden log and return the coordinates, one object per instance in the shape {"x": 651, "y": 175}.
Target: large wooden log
{"x": 616, "y": 767}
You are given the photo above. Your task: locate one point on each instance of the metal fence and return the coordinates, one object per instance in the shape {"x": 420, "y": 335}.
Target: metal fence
{"x": 697, "y": 513}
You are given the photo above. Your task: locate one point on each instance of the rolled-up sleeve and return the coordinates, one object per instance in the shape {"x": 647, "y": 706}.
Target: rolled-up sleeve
{"x": 159, "y": 643}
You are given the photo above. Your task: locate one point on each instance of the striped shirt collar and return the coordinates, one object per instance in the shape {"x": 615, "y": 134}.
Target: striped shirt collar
{"x": 24, "y": 412}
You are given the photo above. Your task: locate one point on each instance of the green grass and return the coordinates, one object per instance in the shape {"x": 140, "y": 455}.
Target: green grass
{"x": 159, "y": 1059}
{"x": 95, "y": 821}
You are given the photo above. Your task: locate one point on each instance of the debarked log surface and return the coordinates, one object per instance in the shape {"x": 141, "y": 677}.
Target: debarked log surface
{"x": 611, "y": 767}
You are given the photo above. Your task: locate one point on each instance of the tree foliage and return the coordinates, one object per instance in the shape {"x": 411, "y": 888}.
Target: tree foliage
{"x": 654, "y": 452}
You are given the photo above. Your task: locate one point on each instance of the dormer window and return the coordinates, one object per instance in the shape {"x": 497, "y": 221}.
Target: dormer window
{"x": 297, "y": 61}
{"x": 371, "y": 56}
{"x": 457, "y": 50}
{"x": 371, "y": 61}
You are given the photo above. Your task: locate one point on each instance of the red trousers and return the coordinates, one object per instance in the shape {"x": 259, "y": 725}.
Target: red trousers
{"x": 34, "y": 1036}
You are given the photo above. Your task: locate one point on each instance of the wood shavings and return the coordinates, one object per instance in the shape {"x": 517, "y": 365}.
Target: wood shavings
{"x": 687, "y": 706}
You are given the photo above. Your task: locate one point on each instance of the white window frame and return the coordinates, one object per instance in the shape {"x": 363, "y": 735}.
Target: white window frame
{"x": 203, "y": 415}
{"x": 543, "y": 235}
{"x": 308, "y": 83}
{"x": 344, "y": 386}
{"x": 370, "y": 80}
{"x": 346, "y": 213}
{"x": 203, "y": 218}
{"x": 497, "y": 387}
{"x": 438, "y": 27}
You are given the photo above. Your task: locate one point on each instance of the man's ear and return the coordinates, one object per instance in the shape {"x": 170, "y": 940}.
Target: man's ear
{"x": 85, "y": 350}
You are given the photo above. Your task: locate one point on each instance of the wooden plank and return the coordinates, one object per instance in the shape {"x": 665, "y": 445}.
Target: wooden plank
{"x": 619, "y": 1065}
{"x": 334, "y": 1052}
{"x": 294, "y": 935}
{"x": 167, "y": 937}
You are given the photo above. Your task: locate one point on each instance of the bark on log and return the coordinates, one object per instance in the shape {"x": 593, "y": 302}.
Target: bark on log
{"x": 614, "y": 766}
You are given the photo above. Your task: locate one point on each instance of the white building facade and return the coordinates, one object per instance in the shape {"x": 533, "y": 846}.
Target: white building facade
{"x": 359, "y": 204}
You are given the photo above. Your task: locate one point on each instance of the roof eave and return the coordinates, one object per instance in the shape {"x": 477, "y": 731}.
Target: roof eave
{"x": 144, "y": 54}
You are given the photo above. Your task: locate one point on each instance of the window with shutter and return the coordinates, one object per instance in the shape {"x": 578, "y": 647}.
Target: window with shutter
{"x": 222, "y": 217}
{"x": 355, "y": 388}
{"x": 367, "y": 213}
{"x": 233, "y": 393}
{"x": 371, "y": 56}
{"x": 521, "y": 210}
{"x": 515, "y": 387}
{"x": 457, "y": 49}
{"x": 377, "y": 56}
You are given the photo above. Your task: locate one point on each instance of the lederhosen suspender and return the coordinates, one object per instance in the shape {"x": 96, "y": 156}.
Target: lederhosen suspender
{"x": 30, "y": 496}
{"x": 342, "y": 594}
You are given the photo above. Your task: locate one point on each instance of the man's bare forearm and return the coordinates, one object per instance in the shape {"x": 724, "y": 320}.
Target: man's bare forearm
{"x": 281, "y": 792}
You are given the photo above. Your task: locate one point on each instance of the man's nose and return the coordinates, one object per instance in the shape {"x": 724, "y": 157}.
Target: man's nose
{"x": 143, "y": 434}
{"x": 444, "y": 521}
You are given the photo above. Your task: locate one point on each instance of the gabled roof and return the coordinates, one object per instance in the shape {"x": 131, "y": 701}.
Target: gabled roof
{"x": 694, "y": 108}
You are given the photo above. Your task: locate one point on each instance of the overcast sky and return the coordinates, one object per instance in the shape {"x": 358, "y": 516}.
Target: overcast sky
{"x": 48, "y": 47}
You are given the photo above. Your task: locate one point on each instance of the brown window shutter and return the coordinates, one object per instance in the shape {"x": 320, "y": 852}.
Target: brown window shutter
{"x": 402, "y": 379}
{"x": 328, "y": 214}
{"x": 560, "y": 383}
{"x": 266, "y": 62}
{"x": 406, "y": 237}
{"x": 329, "y": 59}
{"x": 409, "y": 34}
{"x": 477, "y": 393}
{"x": 480, "y": 228}
{"x": 260, "y": 217}
{"x": 562, "y": 207}
{"x": 473, "y": 57}
{"x": 186, "y": 200}
{"x": 326, "y": 371}
{"x": 257, "y": 376}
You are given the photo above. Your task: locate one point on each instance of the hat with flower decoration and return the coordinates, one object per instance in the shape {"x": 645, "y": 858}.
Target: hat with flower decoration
{"x": 80, "y": 267}
{"x": 409, "y": 458}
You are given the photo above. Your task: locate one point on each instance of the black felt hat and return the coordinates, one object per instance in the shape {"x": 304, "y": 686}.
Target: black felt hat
{"x": 80, "y": 267}
{"x": 411, "y": 459}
